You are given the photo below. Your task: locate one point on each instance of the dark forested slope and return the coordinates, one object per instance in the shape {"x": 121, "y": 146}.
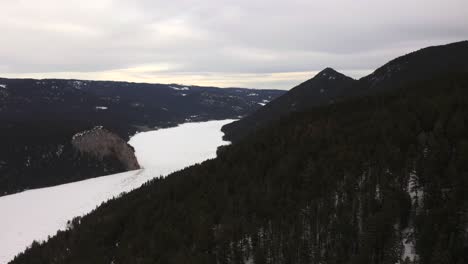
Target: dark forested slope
{"x": 330, "y": 87}
{"x": 326, "y": 87}
{"x": 380, "y": 179}
{"x": 38, "y": 119}
{"x": 418, "y": 65}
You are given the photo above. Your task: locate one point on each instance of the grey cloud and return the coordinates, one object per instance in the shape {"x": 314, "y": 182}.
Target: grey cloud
{"x": 227, "y": 37}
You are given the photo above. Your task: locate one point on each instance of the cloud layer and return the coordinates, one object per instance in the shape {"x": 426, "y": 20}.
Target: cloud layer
{"x": 256, "y": 43}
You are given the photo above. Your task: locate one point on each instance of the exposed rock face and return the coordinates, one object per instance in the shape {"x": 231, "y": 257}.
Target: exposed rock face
{"x": 103, "y": 144}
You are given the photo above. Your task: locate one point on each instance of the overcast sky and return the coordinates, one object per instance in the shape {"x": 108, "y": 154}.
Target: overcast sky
{"x": 241, "y": 43}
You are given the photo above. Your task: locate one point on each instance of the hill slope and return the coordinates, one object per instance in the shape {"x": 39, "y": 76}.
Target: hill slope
{"x": 325, "y": 88}
{"x": 416, "y": 66}
{"x": 362, "y": 181}
{"x": 419, "y": 65}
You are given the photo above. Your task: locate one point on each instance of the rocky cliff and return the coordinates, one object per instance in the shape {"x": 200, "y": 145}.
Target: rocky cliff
{"x": 102, "y": 144}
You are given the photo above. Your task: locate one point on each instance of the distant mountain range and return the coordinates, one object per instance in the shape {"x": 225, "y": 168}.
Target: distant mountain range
{"x": 39, "y": 118}
{"x": 329, "y": 86}
{"x": 335, "y": 171}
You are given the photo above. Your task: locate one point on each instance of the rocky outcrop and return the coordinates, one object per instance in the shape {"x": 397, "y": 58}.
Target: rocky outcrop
{"x": 102, "y": 144}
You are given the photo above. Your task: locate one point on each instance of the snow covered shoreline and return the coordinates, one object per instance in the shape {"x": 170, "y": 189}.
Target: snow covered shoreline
{"x": 39, "y": 213}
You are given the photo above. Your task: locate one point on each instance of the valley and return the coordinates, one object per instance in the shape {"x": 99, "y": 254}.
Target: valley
{"x": 40, "y": 213}
{"x": 42, "y": 119}
{"x": 234, "y": 132}
{"x": 335, "y": 171}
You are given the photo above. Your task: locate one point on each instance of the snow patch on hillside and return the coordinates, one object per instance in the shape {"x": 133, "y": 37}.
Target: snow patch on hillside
{"x": 37, "y": 214}
{"x": 78, "y": 84}
{"x": 180, "y": 88}
{"x": 409, "y": 251}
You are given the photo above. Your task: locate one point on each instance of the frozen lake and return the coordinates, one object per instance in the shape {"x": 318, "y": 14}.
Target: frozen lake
{"x": 39, "y": 213}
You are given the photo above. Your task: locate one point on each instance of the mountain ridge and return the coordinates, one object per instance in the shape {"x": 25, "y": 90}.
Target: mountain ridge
{"x": 366, "y": 180}
{"x": 324, "y": 88}
{"x": 412, "y": 67}
{"x": 428, "y": 61}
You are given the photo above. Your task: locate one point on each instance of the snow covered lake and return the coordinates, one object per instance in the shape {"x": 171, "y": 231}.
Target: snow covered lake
{"x": 39, "y": 213}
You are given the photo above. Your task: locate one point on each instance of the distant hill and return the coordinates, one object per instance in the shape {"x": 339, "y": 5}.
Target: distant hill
{"x": 38, "y": 119}
{"x": 329, "y": 87}
{"x": 326, "y": 87}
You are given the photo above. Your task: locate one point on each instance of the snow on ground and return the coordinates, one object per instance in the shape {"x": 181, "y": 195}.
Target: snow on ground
{"x": 416, "y": 193}
{"x": 180, "y": 89}
{"x": 408, "y": 243}
{"x": 37, "y": 214}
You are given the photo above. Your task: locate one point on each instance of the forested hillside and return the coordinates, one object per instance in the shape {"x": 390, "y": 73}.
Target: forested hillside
{"x": 379, "y": 179}
{"x": 329, "y": 86}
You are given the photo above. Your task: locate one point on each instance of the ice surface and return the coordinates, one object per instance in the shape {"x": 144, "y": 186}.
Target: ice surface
{"x": 37, "y": 214}
{"x": 167, "y": 150}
